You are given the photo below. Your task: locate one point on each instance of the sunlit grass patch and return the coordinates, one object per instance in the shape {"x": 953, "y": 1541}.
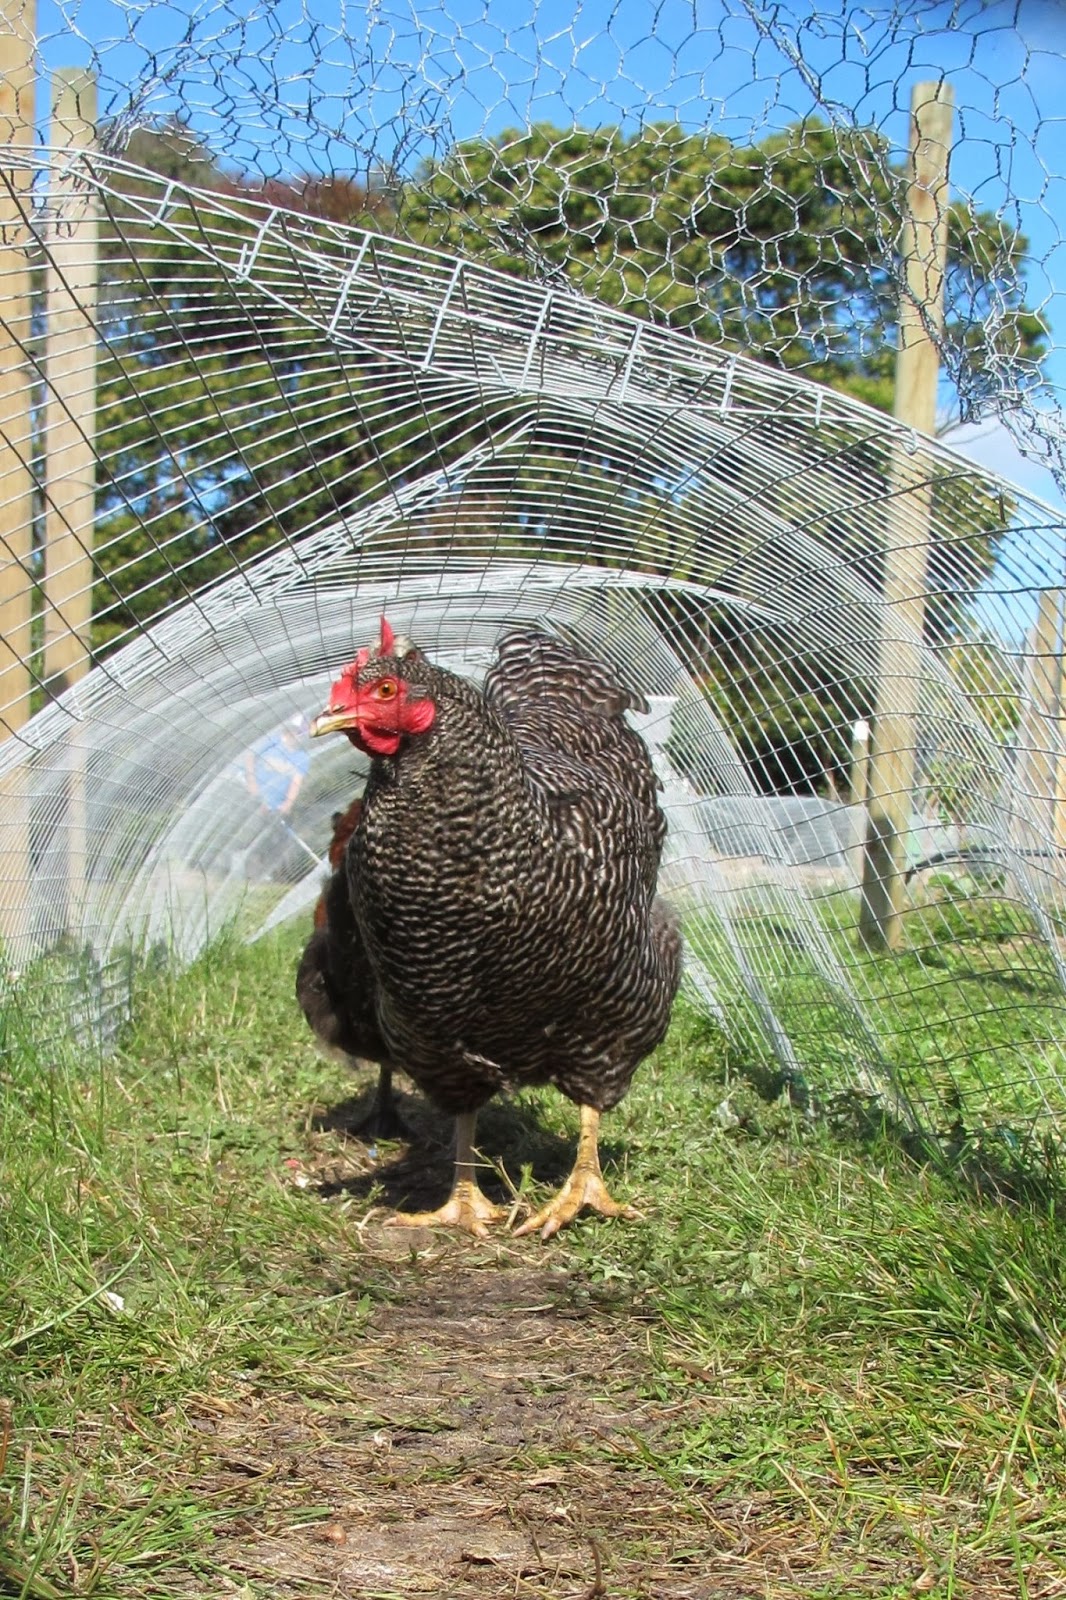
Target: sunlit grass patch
{"x": 842, "y": 1340}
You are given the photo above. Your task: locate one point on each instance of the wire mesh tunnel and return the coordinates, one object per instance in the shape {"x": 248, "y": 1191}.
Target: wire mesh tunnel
{"x": 296, "y": 424}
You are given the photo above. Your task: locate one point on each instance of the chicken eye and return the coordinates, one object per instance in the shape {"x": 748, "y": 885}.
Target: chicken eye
{"x": 386, "y": 689}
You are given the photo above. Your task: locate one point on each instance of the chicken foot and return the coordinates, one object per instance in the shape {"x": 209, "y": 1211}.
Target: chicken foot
{"x": 584, "y": 1186}
{"x": 466, "y": 1207}
{"x": 383, "y": 1121}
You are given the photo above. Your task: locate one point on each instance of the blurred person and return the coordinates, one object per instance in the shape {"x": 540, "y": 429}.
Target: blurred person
{"x": 276, "y": 765}
{"x": 274, "y": 769}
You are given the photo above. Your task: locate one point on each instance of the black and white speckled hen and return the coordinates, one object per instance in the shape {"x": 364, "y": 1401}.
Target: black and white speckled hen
{"x": 502, "y": 881}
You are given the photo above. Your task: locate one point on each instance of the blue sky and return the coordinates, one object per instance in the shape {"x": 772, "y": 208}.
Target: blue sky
{"x": 291, "y": 85}
{"x": 324, "y": 80}
{"x": 991, "y": 446}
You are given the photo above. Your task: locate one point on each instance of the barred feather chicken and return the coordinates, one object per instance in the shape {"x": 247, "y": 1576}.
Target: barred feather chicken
{"x": 502, "y": 887}
{"x": 335, "y": 985}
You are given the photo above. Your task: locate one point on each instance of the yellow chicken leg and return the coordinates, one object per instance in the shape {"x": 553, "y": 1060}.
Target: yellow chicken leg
{"x": 584, "y": 1186}
{"x": 466, "y": 1207}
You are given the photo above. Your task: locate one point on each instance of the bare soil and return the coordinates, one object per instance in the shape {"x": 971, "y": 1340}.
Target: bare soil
{"x": 487, "y": 1440}
{"x": 491, "y": 1431}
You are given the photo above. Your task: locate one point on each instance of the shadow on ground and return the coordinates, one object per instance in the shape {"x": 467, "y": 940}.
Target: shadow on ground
{"x": 415, "y": 1174}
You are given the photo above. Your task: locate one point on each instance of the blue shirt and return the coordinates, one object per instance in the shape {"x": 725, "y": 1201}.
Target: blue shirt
{"x": 276, "y": 764}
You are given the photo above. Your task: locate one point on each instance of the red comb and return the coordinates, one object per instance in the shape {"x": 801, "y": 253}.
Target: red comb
{"x": 356, "y": 666}
{"x": 384, "y": 648}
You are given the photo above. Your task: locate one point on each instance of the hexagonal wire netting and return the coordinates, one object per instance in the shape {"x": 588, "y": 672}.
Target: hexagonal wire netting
{"x": 589, "y": 321}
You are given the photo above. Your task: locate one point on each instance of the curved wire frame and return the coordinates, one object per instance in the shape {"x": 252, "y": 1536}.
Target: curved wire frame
{"x": 302, "y": 425}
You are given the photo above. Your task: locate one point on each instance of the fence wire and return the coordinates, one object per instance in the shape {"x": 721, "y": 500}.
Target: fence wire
{"x": 589, "y": 321}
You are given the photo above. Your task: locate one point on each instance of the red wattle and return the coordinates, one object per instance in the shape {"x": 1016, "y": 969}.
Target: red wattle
{"x": 375, "y": 741}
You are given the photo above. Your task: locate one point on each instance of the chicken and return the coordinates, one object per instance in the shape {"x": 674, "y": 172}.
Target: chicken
{"x": 344, "y": 825}
{"x": 502, "y": 882}
{"x": 335, "y": 986}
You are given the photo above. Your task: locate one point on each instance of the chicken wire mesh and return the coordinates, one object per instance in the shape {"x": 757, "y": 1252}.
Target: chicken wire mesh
{"x": 588, "y": 321}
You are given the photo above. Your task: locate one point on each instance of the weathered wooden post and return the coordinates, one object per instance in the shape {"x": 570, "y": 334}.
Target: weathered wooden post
{"x": 70, "y": 365}
{"x": 859, "y": 764}
{"x": 1042, "y": 743}
{"x": 70, "y": 435}
{"x": 17, "y": 27}
{"x": 907, "y": 522}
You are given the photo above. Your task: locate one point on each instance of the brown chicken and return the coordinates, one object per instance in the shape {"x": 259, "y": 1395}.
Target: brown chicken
{"x": 505, "y": 928}
{"x": 335, "y": 988}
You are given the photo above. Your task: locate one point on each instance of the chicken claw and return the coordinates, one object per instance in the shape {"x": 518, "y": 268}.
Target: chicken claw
{"x": 383, "y": 1121}
{"x": 584, "y": 1187}
{"x": 466, "y": 1207}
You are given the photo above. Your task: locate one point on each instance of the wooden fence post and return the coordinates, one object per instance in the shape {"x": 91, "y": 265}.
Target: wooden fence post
{"x": 70, "y": 438}
{"x": 70, "y": 412}
{"x": 17, "y": 30}
{"x": 907, "y": 523}
{"x": 1042, "y": 737}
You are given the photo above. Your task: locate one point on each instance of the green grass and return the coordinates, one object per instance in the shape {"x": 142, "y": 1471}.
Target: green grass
{"x": 966, "y": 1024}
{"x": 857, "y": 1332}
{"x": 839, "y": 1338}
{"x": 155, "y": 1176}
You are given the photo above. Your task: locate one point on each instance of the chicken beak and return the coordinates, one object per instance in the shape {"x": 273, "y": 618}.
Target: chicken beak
{"x": 332, "y": 721}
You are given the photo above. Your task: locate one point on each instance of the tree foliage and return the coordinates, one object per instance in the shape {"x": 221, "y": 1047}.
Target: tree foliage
{"x": 784, "y": 250}
{"x": 222, "y": 428}
{"x": 781, "y": 249}
{"x": 225, "y": 430}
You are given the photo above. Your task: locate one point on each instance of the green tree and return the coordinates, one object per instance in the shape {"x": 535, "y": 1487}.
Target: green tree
{"x": 225, "y": 426}
{"x": 789, "y": 705}
{"x": 781, "y": 249}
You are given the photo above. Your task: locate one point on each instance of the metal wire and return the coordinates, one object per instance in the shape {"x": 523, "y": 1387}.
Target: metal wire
{"x": 596, "y": 358}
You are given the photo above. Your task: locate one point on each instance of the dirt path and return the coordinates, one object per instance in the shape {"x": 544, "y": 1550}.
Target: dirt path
{"x": 485, "y": 1440}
